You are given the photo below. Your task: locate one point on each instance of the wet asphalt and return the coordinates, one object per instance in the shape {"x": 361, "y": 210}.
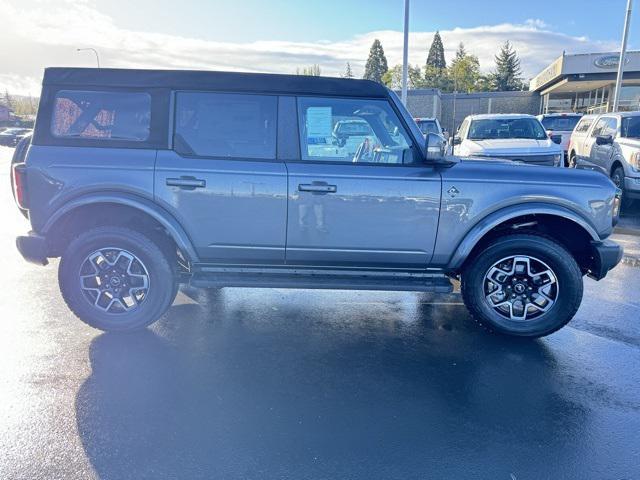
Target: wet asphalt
{"x": 294, "y": 384}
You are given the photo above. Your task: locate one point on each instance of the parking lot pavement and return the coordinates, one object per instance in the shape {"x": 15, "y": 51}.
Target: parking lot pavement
{"x": 314, "y": 384}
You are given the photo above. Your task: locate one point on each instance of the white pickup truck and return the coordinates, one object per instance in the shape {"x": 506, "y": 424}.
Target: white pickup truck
{"x": 515, "y": 137}
{"x": 610, "y": 143}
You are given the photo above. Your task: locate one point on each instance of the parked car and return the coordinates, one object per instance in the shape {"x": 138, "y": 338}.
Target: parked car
{"x": 430, "y": 125}
{"x": 142, "y": 180}
{"x": 560, "y": 125}
{"x": 610, "y": 143}
{"x": 11, "y": 136}
{"x": 519, "y": 138}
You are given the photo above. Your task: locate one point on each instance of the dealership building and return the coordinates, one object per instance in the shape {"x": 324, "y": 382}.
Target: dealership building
{"x": 572, "y": 83}
{"x": 586, "y": 82}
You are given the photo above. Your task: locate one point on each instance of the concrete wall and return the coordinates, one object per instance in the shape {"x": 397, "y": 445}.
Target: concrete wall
{"x": 423, "y": 103}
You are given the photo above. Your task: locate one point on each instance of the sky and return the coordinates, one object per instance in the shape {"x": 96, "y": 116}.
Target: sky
{"x": 279, "y": 36}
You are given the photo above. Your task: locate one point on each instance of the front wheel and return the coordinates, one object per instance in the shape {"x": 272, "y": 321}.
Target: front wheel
{"x": 523, "y": 285}
{"x": 116, "y": 279}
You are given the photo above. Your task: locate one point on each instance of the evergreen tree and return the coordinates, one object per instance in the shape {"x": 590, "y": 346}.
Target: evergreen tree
{"x": 508, "y": 75}
{"x": 376, "y": 65}
{"x": 347, "y": 71}
{"x": 435, "y": 58}
{"x": 7, "y": 100}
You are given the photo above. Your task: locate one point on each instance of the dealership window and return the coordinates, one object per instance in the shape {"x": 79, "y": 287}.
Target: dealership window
{"x": 226, "y": 125}
{"x": 101, "y": 115}
{"x": 352, "y": 130}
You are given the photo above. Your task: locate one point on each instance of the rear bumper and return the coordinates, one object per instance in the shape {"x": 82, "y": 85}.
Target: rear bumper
{"x": 604, "y": 256}
{"x": 33, "y": 248}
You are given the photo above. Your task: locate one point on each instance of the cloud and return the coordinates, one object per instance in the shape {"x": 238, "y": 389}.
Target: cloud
{"x": 48, "y": 33}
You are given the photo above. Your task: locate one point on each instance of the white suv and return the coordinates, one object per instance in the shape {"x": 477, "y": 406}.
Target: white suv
{"x": 520, "y": 138}
{"x": 610, "y": 143}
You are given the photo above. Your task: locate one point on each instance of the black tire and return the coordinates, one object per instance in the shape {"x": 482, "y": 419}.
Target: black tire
{"x": 617, "y": 177}
{"x": 541, "y": 249}
{"x": 571, "y": 163}
{"x": 159, "y": 268}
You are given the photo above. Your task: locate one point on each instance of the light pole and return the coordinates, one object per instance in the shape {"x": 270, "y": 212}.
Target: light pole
{"x": 93, "y": 50}
{"x": 405, "y": 53}
{"x": 621, "y": 59}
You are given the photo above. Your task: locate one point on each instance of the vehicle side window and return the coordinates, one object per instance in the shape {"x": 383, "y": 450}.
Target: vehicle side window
{"x": 352, "y": 130}
{"x": 584, "y": 125}
{"x": 600, "y": 126}
{"x": 611, "y": 127}
{"x": 101, "y": 115}
{"x": 605, "y": 126}
{"x": 226, "y": 125}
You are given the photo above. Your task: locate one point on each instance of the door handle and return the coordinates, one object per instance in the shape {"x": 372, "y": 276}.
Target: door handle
{"x": 317, "y": 188}
{"x": 188, "y": 183}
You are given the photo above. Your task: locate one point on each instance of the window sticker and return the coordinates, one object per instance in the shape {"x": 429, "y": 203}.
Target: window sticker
{"x": 319, "y": 122}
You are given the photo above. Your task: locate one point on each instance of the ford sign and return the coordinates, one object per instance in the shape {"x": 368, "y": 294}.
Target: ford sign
{"x": 609, "y": 61}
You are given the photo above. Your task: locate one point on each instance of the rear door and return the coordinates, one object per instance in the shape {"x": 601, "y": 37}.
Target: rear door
{"x": 358, "y": 196}
{"x": 222, "y": 179}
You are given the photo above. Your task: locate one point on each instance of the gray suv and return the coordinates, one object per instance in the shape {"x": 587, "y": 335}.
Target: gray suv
{"x": 141, "y": 180}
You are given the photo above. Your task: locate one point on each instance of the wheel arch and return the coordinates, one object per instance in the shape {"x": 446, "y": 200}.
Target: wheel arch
{"x": 559, "y": 223}
{"x": 96, "y": 209}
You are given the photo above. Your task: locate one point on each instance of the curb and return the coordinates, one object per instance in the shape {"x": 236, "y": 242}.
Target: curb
{"x": 627, "y": 231}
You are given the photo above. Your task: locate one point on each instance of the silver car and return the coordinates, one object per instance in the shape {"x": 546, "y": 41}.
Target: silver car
{"x": 610, "y": 143}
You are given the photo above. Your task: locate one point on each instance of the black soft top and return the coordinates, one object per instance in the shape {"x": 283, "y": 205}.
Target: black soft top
{"x": 211, "y": 80}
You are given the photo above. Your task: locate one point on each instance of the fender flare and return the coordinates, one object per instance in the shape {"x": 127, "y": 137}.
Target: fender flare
{"x": 173, "y": 227}
{"x": 486, "y": 224}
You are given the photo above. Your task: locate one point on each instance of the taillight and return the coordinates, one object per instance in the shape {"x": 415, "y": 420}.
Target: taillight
{"x": 19, "y": 177}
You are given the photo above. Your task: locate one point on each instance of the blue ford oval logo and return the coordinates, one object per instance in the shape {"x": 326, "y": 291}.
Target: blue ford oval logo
{"x": 609, "y": 61}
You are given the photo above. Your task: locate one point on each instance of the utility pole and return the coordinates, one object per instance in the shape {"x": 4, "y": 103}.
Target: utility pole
{"x": 621, "y": 60}
{"x": 405, "y": 53}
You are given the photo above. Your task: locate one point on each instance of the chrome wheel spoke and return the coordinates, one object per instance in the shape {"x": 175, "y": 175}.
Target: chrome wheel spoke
{"x": 114, "y": 280}
{"x": 520, "y": 288}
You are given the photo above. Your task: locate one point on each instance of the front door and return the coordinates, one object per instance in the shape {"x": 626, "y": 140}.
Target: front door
{"x": 357, "y": 195}
{"x": 601, "y": 155}
{"x": 222, "y": 180}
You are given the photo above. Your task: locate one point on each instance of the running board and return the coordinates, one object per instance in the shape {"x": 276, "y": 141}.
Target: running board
{"x": 423, "y": 283}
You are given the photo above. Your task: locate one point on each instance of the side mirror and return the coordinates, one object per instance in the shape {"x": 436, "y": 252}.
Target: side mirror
{"x": 436, "y": 146}
{"x": 604, "y": 140}
{"x": 557, "y": 139}
{"x": 455, "y": 140}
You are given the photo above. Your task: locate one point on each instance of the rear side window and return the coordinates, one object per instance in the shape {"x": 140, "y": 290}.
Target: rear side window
{"x": 100, "y": 115}
{"x": 226, "y": 125}
{"x": 583, "y": 125}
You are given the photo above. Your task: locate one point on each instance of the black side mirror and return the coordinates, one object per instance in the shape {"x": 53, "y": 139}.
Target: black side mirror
{"x": 557, "y": 139}
{"x": 455, "y": 140}
{"x": 436, "y": 146}
{"x": 604, "y": 140}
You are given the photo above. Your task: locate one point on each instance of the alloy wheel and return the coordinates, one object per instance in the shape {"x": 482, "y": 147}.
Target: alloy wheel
{"x": 114, "y": 280}
{"x": 520, "y": 287}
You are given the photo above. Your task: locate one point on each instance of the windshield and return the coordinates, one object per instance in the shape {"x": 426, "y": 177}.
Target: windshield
{"x": 631, "y": 127}
{"x": 565, "y": 123}
{"x": 487, "y": 129}
{"x": 428, "y": 126}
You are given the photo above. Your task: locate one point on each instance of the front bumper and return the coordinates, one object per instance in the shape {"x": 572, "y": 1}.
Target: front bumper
{"x": 604, "y": 256}
{"x": 33, "y": 248}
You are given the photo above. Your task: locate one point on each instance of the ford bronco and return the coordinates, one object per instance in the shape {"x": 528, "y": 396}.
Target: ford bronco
{"x": 141, "y": 180}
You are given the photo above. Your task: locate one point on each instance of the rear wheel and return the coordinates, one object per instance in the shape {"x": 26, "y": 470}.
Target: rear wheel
{"x": 572, "y": 160}
{"x": 524, "y": 285}
{"x": 117, "y": 279}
